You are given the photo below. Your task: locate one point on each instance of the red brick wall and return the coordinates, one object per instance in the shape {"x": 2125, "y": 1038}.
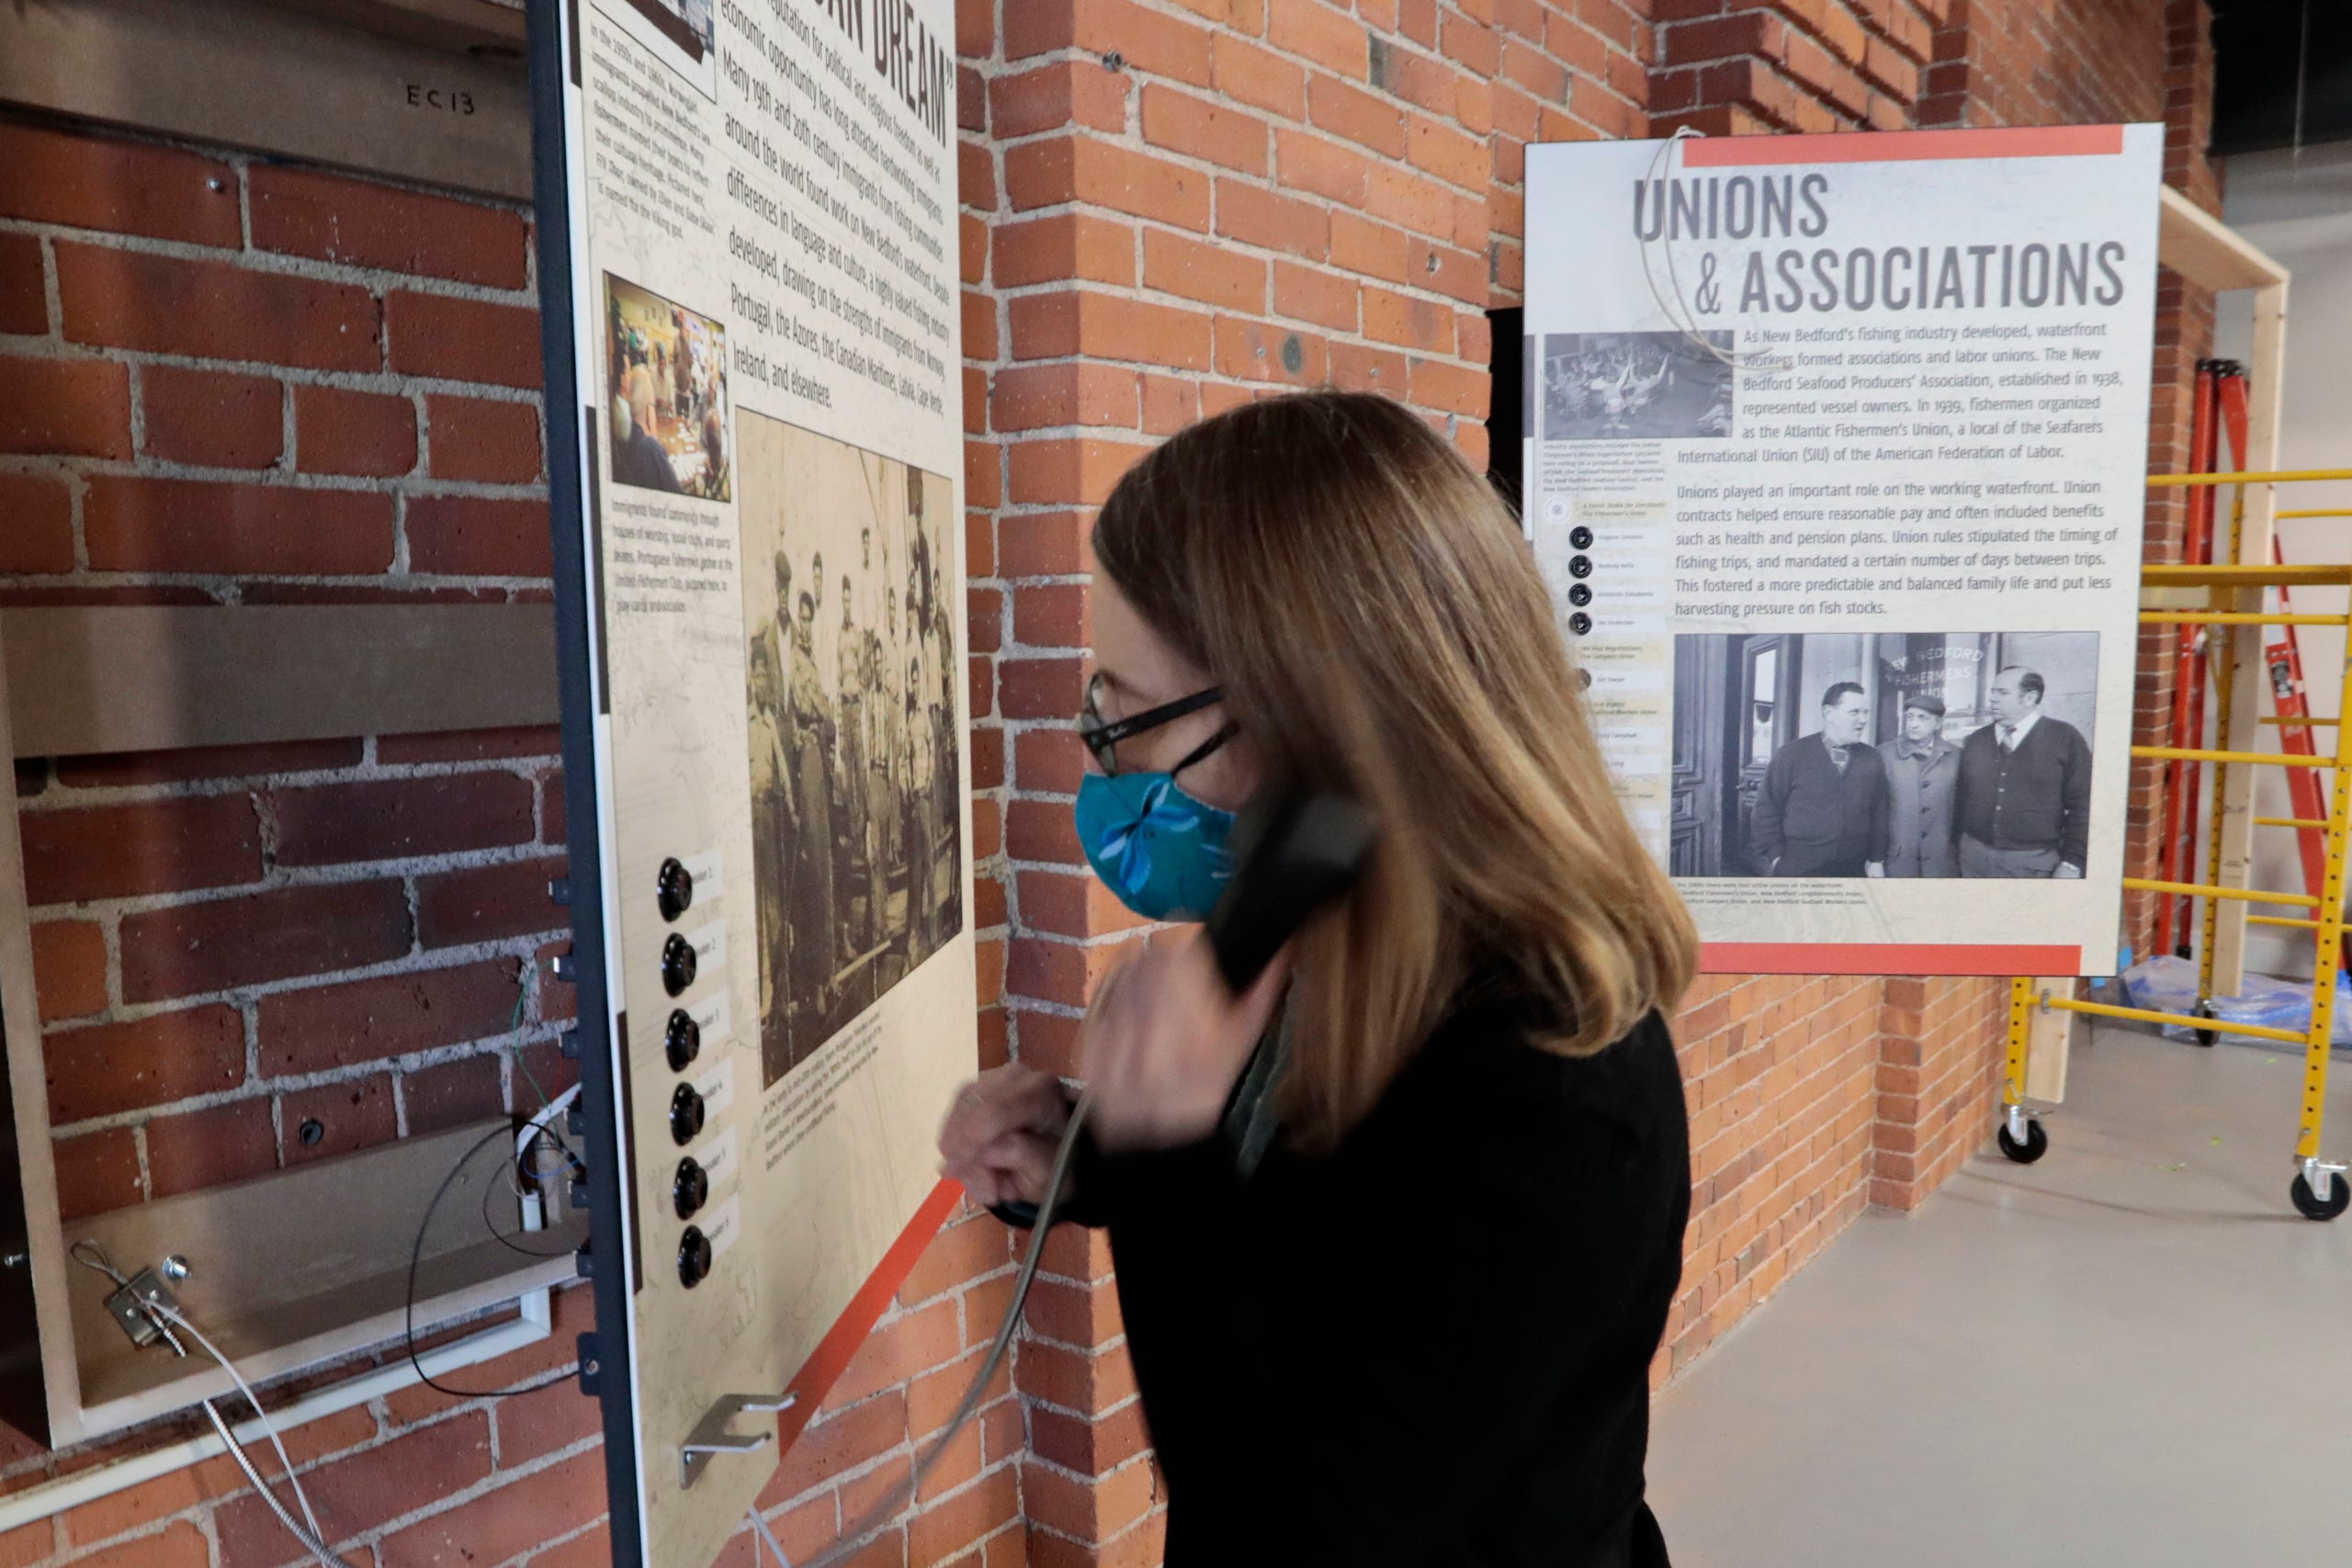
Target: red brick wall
{"x": 1170, "y": 205}
{"x": 224, "y": 381}
{"x": 1779, "y": 1075}
{"x": 1170, "y": 209}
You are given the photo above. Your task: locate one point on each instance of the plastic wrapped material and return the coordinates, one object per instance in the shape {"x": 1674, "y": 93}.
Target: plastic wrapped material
{"x": 2163, "y": 984}
{"x": 2169, "y": 985}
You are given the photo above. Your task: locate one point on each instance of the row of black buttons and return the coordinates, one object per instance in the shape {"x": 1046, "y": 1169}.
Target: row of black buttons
{"x": 681, "y": 1043}
{"x": 1580, "y": 567}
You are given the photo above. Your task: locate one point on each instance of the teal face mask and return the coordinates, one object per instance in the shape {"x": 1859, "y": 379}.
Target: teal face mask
{"x": 1161, "y": 851}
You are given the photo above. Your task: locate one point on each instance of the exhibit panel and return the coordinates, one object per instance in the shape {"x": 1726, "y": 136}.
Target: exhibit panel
{"x": 1835, "y": 459}
{"x": 751, "y": 309}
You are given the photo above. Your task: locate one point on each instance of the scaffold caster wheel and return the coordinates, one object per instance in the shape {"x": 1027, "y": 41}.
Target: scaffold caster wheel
{"x": 2205, "y": 1037}
{"x": 2036, "y": 1144}
{"x": 2339, "y": 1197}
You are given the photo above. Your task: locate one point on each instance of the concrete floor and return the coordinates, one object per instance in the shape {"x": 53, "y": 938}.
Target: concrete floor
{"x": 2132, "y": 1353}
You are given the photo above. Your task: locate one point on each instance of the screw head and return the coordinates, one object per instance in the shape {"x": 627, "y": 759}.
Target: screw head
{"x": 175, "y": 1269}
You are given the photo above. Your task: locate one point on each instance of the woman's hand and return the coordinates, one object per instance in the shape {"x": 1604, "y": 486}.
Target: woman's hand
{"x": 1000, "y": 1134}
{"x": 1165, "y": 1041}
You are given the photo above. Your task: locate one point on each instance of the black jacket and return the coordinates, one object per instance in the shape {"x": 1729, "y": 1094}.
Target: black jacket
{"x": 1432, "y": 1348}
{"x": 1812, "y": 819}
{"x": 642, "y": 461}
{"x": 2037, "y": 797}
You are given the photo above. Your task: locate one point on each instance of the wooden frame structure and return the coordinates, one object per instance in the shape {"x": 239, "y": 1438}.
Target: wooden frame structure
{"x": 2228, "y": 598}
{"x": 291, "y": 1268}
{"x": 2200, "y": 247}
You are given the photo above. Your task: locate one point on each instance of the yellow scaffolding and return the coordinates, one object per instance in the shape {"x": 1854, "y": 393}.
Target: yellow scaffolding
{"x": 2320, "y": 1189}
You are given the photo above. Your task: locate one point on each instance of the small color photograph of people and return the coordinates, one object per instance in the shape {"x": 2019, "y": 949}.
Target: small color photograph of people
{"x": 666, "y": 383}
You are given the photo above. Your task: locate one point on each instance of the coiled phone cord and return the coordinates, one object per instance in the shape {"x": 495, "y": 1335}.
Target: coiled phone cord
{"x": 887, "y": 1507}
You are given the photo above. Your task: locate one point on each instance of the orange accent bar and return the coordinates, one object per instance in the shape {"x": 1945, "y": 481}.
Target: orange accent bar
{"x": 832, "y": 1355}
{"x": 1887, "y": 958}
{"x": 1903, "y": 146}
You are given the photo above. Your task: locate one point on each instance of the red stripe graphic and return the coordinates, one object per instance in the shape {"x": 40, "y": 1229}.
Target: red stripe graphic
{"x": 831, "y": 1357}
{"x": 1898, "y": 146}
{"x": 1887, "y": 958}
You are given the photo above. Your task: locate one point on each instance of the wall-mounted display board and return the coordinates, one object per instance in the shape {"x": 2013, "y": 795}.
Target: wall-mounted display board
{"x": 1833, "y": 455}
{"x": 748, "y": 249}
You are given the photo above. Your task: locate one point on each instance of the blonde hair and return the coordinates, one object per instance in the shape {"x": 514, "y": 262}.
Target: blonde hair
{"x": 1380, "y": 630}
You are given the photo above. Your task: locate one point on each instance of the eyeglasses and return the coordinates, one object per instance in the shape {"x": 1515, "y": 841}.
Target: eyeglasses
{"x": 1102, "y": 737}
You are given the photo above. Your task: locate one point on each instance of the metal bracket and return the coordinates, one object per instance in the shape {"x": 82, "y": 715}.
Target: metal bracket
{"x": 2019, "y": 1120}
{"x": 134, "y": 1308}
{"x": 2320, "y": 1176}
{"x": 711, "y": 1435}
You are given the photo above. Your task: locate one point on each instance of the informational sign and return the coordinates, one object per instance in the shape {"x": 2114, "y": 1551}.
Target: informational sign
{"x": 749, "y": 256}
{"x": 1833, "y": 455}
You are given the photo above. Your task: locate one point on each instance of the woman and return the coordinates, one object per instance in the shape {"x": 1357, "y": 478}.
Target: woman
{"x": 1397, "y": 1232}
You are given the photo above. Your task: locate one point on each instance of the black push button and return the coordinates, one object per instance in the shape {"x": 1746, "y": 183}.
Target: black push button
{"x": 1580, "y": 537}
{"x": 1579, "y": 566}
{"x": 678, "y": 964}
{"x": 1579, "y": 623}
{"x": 690, "y": 1189}
{"x": 694, "y": 1257}
{"x": 685, "y": 1114}
{"x": 1579, "y": 593}
{"x": 683, "y": 1040}
{"x": 675, "y": 888}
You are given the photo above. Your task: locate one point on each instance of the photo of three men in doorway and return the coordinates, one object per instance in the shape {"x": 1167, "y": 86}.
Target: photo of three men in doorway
{"x": 1934, "y": 755}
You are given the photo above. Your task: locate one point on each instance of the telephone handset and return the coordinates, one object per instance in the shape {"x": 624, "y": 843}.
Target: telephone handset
{"x": 1292, "y": 854}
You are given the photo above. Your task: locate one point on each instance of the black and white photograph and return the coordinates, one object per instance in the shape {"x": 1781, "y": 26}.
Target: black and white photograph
{"x": 1636, "y": 386}
{"x": 856, "y": 778}
{"x": 1888, "y": 754}
{"x": 686, "y": 23}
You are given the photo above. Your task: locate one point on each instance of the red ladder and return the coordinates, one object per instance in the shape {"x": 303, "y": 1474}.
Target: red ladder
{"x": 2283, "y": 662}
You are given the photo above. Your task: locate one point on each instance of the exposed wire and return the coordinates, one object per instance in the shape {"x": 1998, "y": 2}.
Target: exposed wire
{"x": 885, "y": 1510}
{"x": 163, "y": 1315}
{"x": 506, "y": 1238}
{"x": 318, "y": 1548}
{"x": 98, "y": 1260}
{"x": 1685, "y": 321}
{"x": 762, "y": 1533}
{"x": 416, "y": 1261}
{"x": 268, "y": 1426}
